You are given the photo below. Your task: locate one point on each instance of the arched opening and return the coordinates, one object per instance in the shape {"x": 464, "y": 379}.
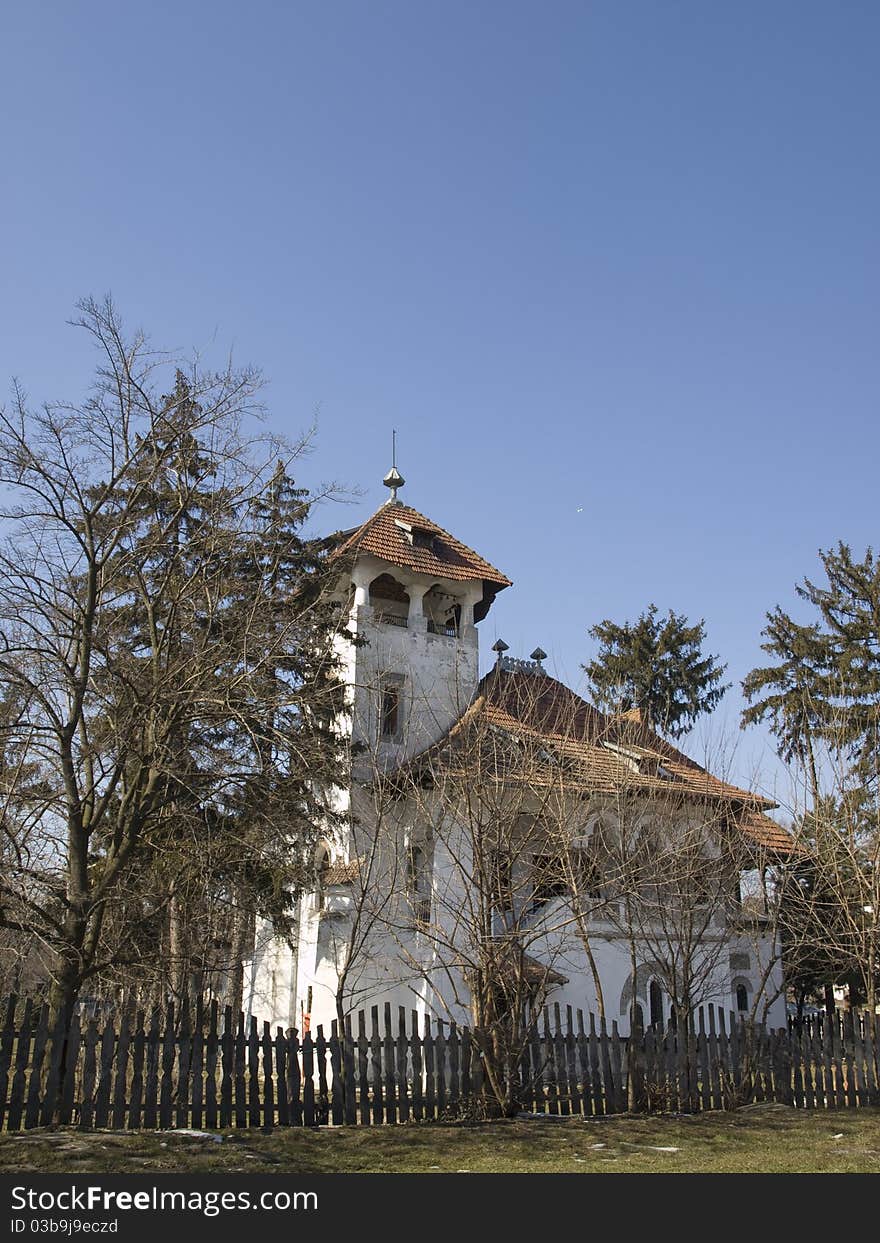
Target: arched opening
{"x": 742, "y": 998}
{"x": 389, "y": 601}
{"x": 442, "y": 611}
{"x": 655, "y": 1000}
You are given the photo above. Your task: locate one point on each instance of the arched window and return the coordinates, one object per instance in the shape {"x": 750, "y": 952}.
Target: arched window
{"x": 655, "y": 998}
{"x": 742, "y": 997}
{"x": 389, "y": 600}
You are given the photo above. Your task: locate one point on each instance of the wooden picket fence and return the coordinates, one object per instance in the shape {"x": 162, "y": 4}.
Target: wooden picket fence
{"x": 220, "y": 1071}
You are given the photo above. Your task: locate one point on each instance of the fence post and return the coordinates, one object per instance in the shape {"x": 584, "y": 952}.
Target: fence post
{"x": 308, "y": 1075}
{"x": 388, "y": 1059}
{"x": 428, "y": 1052}
{"x": 227, "y": 1058}
{"x": 86, "y": 1110}
{"x": 440, "y": 1054}
{"x": 363, "y": 1073}
{"x": 349, "y": 1086}
{"x": 211, "y": 1046}
{"x": 7, "y": 1039}
{"x": 417, "y": 1069}
{"x": 22, "y": 1054}
{"x": 337, "y": 1087}
{"x": 550, "y": 1065}
{"x": 376, "y": 1067}
{"x": 870, "y": 1053}
{"x": 166, "y": 1085}
{"x": 184, "y": 1061}
{"x": 281, "y": 1055}
{"x": 294, "y": 1079}
{"x": 253, "y": 1065}
{"x": 196, "y": 1066}
{"x": 102, "y": 1096}
{"x": 322, "y": 1112}
{"x": 53, "y": 1080}
{"x": 636, "y": 1062}
{"x": 120, "y": 1088}
{"x": 402, "y": 1045}
{"x": 268, "y": 1082}
{"x": 32, "y": 1113}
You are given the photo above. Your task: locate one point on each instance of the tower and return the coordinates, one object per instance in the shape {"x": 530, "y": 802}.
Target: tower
{"x": 414, "y": 595}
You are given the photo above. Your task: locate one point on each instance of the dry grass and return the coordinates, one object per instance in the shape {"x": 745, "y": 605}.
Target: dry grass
{"x": 770, "y": 1138}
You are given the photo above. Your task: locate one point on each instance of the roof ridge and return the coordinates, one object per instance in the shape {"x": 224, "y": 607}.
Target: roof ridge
{"x": 645, "y": 740}
{"x": 468, "y": 558}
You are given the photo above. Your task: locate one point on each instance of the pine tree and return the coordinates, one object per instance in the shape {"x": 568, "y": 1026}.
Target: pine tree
{"x": 821, "y": 699}
{"x": 658, "y": 667}
{"x": 825, "y": 683}
{"x": 204, "y": 564}
{"x": 149, "y": 764}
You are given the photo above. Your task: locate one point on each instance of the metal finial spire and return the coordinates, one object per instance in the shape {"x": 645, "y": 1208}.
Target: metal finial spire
{"x": 500, "y": 647}
{"x": 393, "y": 479}
{"x": 538, "y": 655}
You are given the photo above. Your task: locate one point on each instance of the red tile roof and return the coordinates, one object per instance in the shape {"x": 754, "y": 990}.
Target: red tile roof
{"x": 447, "y": 557}
{"x": 595, "y": 752}
{"x": 342, "y": 873}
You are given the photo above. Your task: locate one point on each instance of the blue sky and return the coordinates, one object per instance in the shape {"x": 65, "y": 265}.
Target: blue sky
{"x": 611, "y": 270}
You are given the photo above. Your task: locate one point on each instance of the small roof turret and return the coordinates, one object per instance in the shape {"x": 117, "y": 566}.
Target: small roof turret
{"x": 393, "y": 480}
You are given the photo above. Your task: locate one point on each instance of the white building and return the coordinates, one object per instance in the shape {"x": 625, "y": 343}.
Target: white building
{"x": 493, "y": 818}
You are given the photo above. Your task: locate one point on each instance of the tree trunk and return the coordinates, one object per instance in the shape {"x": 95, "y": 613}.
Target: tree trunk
{"x": 829, "y": 1000}
{"x": 240, "y": 950}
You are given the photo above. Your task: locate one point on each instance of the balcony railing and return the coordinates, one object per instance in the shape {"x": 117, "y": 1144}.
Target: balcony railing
{"x": 392, "y": 619}
{"x": 442, "y": 628}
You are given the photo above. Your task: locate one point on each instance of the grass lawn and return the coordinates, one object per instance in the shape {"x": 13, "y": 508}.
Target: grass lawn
{"x": 769, "y": 1138}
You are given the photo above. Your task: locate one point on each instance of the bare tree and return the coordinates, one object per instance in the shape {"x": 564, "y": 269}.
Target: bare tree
{"x": 132, "y": 660}
{"x": 830, "y": 894}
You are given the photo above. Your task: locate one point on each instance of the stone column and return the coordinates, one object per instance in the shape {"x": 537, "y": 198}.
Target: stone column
{"x": 467, "y": 627}
{"x": 416, "y": 617}
{"x": 360, "y": 578}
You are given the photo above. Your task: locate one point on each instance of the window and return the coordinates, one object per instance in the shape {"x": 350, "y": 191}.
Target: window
{"x": 418, "y": 884}
{"x": 499, "y": 880}
{"x": 423, "y": 539}
{"x": 390, "y": 710}
{"x": 322, "y": 866}
{"x": 589, "y": 874}
{"x": 742, "y": 998}
{"x": 655, "y": 999}
{"x": 548, "y": 878}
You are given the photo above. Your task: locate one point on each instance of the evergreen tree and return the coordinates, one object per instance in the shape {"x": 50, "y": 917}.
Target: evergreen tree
{"x": 821, "y": 699}
{"x": 824, "y": 684}
{"x": 204, "y": 564}
{"x": 139, "y": 629}
{"x": 656, "y": 666}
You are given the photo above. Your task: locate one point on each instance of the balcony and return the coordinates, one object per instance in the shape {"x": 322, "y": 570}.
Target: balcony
{"x": 447, "y": 630}
{"x": 391, "y": 619}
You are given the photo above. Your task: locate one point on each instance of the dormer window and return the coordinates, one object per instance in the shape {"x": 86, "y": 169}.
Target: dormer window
{"x": 630, "y": 758}
{"x": 418, "y": 537}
